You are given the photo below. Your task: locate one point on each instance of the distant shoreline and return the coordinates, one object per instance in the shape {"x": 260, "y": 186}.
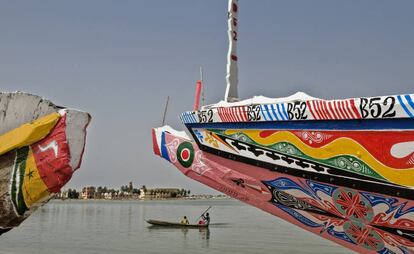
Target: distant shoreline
{"x": 147, "y": 199}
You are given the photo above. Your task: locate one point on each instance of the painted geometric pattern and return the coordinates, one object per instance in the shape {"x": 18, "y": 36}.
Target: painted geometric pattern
{"x": 344, "y": 162}
{"x": 377, "y": 223}
{"x": 363, "y": 221}
{"x": 378, "y": 155}
{"x": 384, "y": 107}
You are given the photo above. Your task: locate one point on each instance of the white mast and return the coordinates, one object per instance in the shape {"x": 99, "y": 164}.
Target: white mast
{"x": 232, "y": 70}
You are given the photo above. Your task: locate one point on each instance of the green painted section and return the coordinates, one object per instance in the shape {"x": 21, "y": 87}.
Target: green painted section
{"x": 185, "y": 162}
{"x": 343, "y": 162}
{"x": 18, "y": 179}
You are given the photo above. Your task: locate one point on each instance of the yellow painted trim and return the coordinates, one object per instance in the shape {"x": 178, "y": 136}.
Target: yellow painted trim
{"x": 28, "y": 133}
{"x": 34, "y": 189}
{"x": 340, "y": 146}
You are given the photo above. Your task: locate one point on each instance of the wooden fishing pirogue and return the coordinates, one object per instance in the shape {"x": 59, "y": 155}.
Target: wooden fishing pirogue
{"x": 41, "y": 146}
{"x": 175, "y": 224}
{"x": 342, "y": 169}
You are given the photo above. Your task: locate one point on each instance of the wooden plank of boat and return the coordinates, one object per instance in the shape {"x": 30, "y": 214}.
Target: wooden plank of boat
{"x": 175, "y": 224}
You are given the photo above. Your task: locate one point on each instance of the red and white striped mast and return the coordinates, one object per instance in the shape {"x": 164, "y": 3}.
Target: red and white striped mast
{"x": 231, "y": 94}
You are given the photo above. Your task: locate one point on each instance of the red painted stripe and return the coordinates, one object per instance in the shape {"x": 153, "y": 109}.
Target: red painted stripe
{"x": 226, "y": 111}
{"x": 344, "y": 109}
{"x": 349, "y": 109}
{"x": 336, "y": 109}
{"x": 354, "y": 108}
{"x": 241, "y": 114}
{"x": 332, "y": 110}
{"x": 244, "y": 114}
{"x": 315, "y": 106}
{"x": 226, "y": 114}
{"x": 155, "y": 146}
{"x": 230, "y": 114}
{"x": 325, "y": 107}
{"x": 235, "y": 114}
{"x": 220, "y": 113}
{"x": 310, "y": 109}
{"x": 230, "y": 111}
{"x": 339, "y": 110}
{"x": 325, "y": 110}
{"x": 314, "y": 109}
{"x": 321, "y": 110}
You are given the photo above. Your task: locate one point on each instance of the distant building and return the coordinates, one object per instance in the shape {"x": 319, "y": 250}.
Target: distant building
{"x": 160, "y": 193}
{"x": 108, "y": 195}
{"x": 88, "y": 192}
{"x": 62, "y": 194}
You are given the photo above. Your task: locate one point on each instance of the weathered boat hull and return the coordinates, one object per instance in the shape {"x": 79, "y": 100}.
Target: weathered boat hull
{"x": 41, "y": 145}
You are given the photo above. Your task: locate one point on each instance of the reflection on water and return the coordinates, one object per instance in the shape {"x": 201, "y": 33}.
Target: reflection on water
{"x": 204, "y": 233}
{"x": 120, "y": 227}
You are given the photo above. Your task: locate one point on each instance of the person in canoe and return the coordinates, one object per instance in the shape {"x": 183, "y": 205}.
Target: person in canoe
{"x": 185, "y": 220}
{"x": 205, "y": 219}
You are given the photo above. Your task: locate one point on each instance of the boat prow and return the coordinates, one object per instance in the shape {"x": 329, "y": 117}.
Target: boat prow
{"x": 342, "y": 169}
{"x": 41, "y": 146}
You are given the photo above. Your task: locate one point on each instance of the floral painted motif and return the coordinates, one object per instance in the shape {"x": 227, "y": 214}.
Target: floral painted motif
{"x": 363, "y": 235}
{"x": 313, "y": 136}
{"x": 352, "y": 205}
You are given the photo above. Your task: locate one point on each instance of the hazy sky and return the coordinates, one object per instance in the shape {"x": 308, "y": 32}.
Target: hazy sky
{"x": 119, "y": 60}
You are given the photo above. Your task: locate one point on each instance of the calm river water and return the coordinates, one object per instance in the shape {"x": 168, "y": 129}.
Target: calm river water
{"x": 119, "y": 227}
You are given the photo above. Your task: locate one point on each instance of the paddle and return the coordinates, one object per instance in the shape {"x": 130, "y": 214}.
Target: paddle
{"x": 196, "y": 221}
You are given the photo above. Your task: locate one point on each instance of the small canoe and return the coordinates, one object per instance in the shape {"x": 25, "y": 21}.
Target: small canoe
{"x": 175, "y": 224}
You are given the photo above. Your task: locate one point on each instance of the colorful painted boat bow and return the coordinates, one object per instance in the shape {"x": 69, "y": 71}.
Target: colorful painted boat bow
{"x": 342, "y": 169}
{"x": 41, "y": 145}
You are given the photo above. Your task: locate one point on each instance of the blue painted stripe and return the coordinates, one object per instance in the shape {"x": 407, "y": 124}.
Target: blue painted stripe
{"x": 280, "y": 113}
{"x": 268, "y": 112}
{"x": 410, "y": 101}
{"x": 284, "y": 111}
{"x": 186, "y": 118}
{"x": 404, "y": 107}
{"x": 367, "y": 124}
{"x": 182, "y": 117}
{"x": 164, "y": 151}
{"x": 274, "y": 111}
{"x": 298, "y": 216}
{"x": 192, "y": 118}
{"x": 263, "y": 112}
